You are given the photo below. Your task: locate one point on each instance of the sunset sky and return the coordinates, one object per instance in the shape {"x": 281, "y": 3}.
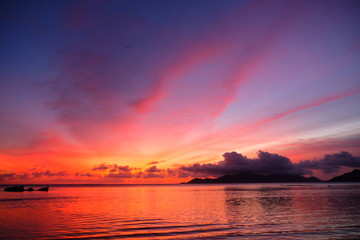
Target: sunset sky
{"x": 156, "y": 91}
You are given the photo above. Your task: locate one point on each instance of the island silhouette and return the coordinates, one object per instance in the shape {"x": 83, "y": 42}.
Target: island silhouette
{"x": 250, "y": 177}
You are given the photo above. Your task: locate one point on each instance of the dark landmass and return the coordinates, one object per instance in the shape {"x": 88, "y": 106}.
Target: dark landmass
{"x": 353, "y": 176}
{"x": 15, "y": 189}
{"x": 248, "y": 177}
{"x": 21, "y": 188}
{"x": 44, "y": 189}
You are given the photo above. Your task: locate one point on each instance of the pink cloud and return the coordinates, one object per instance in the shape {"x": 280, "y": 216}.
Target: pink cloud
{"x": 316, "y": 103}
{"x": 218, "y": 41}
{"x": 312, "y": 148}
{"x": 231, "y": 134}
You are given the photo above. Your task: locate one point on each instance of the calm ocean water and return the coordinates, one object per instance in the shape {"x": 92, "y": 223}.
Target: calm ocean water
{"x": 228, "y": 211}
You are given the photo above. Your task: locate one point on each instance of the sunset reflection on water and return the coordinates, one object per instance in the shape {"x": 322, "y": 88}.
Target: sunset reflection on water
{"x": 183, "y": 211}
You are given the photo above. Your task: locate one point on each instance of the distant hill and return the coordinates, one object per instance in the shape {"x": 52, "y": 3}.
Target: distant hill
{"x": 248, "y": 177}
{"x": 353, "y": 176}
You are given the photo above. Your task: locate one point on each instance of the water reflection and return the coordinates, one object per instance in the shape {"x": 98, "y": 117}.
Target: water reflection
{"x": 274, "y": 203}
{"x": 294, "y": 210}
{"x": 257, "y": 205}
{"x": 258, "y": 211}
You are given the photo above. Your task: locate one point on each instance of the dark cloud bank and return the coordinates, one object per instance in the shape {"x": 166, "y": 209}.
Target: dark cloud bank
{"x": 265, "y": 163}
{"x": 31, "y": 175}
{"x": 116, "y": 171}
{"x": 270, "y": 163}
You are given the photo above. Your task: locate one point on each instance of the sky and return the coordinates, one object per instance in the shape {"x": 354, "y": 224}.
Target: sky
{"x": 163, "y": 91}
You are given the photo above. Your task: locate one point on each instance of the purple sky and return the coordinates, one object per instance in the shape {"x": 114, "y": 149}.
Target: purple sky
{"x": 85, "y": 83}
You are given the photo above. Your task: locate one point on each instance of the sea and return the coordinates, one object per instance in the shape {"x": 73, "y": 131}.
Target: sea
{"x": 183, "y": 211}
